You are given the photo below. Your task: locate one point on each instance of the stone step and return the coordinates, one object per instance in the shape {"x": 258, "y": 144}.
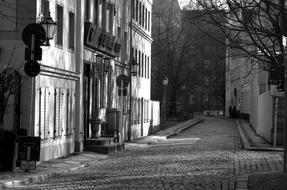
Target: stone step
{"x": 105, "y": 149}
{"x": 100, "y": 141}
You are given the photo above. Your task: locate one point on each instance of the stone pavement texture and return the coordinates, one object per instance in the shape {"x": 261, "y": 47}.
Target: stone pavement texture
{"x": 206, "y": 156}
{"x": 199, "y": 158}
{"x": 48, "y": 169}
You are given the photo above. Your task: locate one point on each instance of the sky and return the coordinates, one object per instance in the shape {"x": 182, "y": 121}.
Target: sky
{"x": 182, "y": 2}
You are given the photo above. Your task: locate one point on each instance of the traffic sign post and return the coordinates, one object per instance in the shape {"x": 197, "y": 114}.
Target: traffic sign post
{"x": 33, "y": 36}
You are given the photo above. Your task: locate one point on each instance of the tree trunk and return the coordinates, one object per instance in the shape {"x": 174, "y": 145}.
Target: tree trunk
{"x": 172, "y": 107}
{"x": 1, "y": 121}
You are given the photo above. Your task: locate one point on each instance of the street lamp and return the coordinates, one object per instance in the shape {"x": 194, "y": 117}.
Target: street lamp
{"x": 134, "y": 67}
{"x": 49, "y": 26}
{"x": 165, "y": 83}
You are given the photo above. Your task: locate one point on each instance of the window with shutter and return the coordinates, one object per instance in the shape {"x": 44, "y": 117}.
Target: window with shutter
{"x": 44, "y": 108}
{"x": 58, "y": 112}
{"x": 73, "y": 110}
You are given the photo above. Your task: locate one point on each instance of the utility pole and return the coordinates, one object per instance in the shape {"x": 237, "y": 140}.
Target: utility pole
{"x": 283, "y": 47}
{"x": 130, "y": 69}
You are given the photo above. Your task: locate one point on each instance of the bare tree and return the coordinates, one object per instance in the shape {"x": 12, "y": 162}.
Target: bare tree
{"x": 169, "y": 50}
{"x": 250, "y": 26}
{"x": 10, "y": 79}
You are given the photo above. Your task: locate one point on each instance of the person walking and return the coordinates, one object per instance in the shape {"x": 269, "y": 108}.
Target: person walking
{"x": 230, "y": 111}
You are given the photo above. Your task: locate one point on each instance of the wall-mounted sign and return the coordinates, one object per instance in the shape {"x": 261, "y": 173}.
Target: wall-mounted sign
{"x": 98, "y": 39}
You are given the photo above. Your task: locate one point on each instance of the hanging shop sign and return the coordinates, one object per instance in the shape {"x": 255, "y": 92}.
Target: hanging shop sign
{"x": 98, "y": 39}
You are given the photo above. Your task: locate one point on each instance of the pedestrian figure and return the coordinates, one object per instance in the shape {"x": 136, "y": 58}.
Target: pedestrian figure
{"x": 234, "y": 112}
{"x": 230, "y": 111}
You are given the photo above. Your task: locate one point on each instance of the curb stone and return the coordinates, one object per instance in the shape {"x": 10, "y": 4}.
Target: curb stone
{"x": 41, "y": 177}
{"x": 184, "y": 128}
{"x": 35, "y": 178}
{"x": 44, "y": 176}
{"x": 247, "y": 144}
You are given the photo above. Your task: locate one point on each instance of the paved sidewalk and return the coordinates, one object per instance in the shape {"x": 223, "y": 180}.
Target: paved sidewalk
{"x": 272, "y": 180}
{"x": 49, "y": 169}
{"x": 166, "y": 133}
{"x": 75, "y": 161}
{"x": 252, "y": 141}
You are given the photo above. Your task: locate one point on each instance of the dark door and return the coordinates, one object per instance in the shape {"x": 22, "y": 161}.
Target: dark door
{"x": 86, "y": 97}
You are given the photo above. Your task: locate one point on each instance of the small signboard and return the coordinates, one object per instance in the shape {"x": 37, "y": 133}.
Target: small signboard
{"x": 29, "y": 148}
{"x": 28, "y": 165}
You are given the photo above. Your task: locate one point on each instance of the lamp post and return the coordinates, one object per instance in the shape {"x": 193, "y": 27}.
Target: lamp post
{"x": 165, "y": 83}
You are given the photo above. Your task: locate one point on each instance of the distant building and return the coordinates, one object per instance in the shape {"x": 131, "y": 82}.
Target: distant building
{"x": 250, "y": 93}
{"x": 205, "y": 63}
{"x": 166, "y": 28}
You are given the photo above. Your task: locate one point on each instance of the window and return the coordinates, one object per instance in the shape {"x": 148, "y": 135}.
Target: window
{"x": 206, "y": 49}
{"x": 44, "y": 112}
{"x": 136, "y": 57}
{"x": 148, "y": 67}
{"x": 137, "y": 9}
{"x": 70, "y": 111}
{"x": 140, "y": 13}
{"x": 145, "y": 23}
{"x": 206, "y": 64}
{"x": 103, "y": 13}
{"x": 100, "y": 13}
{"x": 58, "y": 112}
{"x": 192, "y": 99}
{"x": 205, "y": 99}
{"x": 119, "y": 33}
{"x": 87, "y": 10}
{"x": 110, "y": 17}
{"x": 145, "y": 67}
{"x": 71, "y": 30}
{"x": 148, "y": 20}
{"x": 133, "y": 51}
{"x": 139, "y": 71}
{"x": 96, "y": 12}
{"x": 206, "y": 81}
{"x": 45, "y": 8}
{"x": 59, "y": 25}
{"x": 125, "y": 46}
{"x": 133, "y": 11}
{"x": 142, "y": 71}
{"x": 143, "y": 16}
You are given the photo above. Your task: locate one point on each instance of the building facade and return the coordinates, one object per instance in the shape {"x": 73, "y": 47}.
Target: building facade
{"x": 205, "y": 62}
{"x": 248, "y": 88}
{"x": 166, "y": 32}
{"x": 76, "y": 95}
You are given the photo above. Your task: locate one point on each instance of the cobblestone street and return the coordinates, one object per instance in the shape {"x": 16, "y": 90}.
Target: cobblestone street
{"x": 205, "y": 156}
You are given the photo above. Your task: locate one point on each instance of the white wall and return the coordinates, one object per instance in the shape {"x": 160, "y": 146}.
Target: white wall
{"x": 264, "y": 124}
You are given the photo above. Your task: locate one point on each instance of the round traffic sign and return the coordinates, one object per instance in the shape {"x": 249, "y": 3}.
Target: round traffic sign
{"x": 32, "y": 68}
{"x": 122, "y": 81}
{"x": 37, "y": 30}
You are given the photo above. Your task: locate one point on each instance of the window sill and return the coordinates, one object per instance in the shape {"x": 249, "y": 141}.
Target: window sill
{"x": 69, "y": 135}
{"x": 58, "y": 45}
{"x": 71, "y": 50}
